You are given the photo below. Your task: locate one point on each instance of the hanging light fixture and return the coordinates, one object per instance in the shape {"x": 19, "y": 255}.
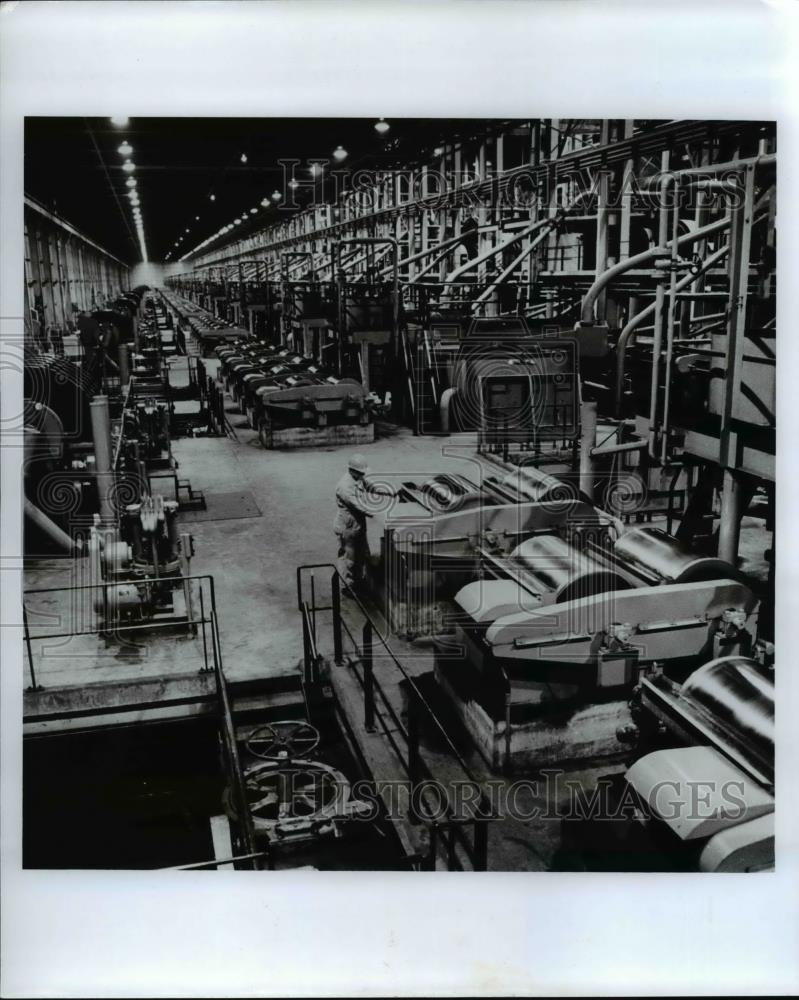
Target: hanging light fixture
{"x": 294, "y": 184}
{"x": 253, "y": 211}
{"x": 276, "y": 196}
{"x": 212, "y": 197}
{"x": 130, "y": 182}
{"x": 128, "y": 166}
{"x": 340, "y": 154}
{"x": 121, "y": 121}
{"x": 125, "y": 149}
{"x": 382, "y": 126}
{"x": 243, "y": 157}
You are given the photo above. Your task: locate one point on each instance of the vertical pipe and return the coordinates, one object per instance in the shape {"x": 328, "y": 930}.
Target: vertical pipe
{"x": 588, "y": 421}
{"x": 185, "y": 558}
{"x": 672, "y": 315}
{"x": 730, "y": 517}
{"x": 656, "y": 348}
{"x": 101, "y": 436}
{"x": 124, "y": 366}
{"x": 365, "y": 365}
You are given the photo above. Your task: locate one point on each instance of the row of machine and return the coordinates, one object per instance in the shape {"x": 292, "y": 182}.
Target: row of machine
{"x": 562, "y": 634}
{"x": 100, "y": 476}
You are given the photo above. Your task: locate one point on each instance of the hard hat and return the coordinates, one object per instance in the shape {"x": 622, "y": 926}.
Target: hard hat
{"x": 358, "y": 464}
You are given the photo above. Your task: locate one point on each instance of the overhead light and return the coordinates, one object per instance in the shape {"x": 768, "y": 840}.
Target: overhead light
{"x": 128, "y": 166}
{"x": 243, "y": 157}
{"x": 276, "y": 195}
{"x": 197, "y": 217}
{"x": 265, "y": 202}
{"x": 438, "y": 151}
{"x": 187, "y": 229}
{"x": 340, "y": 153}
{"x": 382, "y": 126}
{"x": 315, "y": 169}
{"x": 131, "y": 182}
{"x": 253, "y": 211}
{"x": 120, "y": 121}
{"x": 212, "y": 197}
{"x": 294, "y": 183}
{"x": 125, "y": 149}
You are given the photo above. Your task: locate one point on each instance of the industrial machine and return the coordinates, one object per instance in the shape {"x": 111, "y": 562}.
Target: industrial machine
{"x": 140, "y": 568}
{"x": 295, "y": 799}
{"x": 699, "y": 795}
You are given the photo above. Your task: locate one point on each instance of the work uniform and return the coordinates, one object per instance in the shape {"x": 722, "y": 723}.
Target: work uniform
{"x": 350, "y": 529}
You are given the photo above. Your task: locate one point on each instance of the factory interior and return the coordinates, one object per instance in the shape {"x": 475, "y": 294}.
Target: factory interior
{"x": 399, "y": 494}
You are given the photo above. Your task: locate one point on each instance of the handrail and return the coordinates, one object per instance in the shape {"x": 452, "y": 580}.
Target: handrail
{"x": 482, "y": 812}
{"x": 226, "y": 727}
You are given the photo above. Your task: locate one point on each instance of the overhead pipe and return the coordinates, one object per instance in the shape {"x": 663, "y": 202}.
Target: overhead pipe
{"x": 587, "y": 312}
{"x": 492, "y": 251}
{"x": 512, "y": 267}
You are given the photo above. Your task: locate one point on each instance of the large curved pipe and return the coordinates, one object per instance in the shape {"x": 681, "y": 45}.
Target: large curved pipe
{"x": 635, "y": 321}
{"x": 593, "y": 293}
{"x": 444, "y": 408}
{"x": 50, "y": 528}
{"x": 587, "y": 310}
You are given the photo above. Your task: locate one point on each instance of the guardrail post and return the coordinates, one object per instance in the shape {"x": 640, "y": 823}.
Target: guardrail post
{"x": 480, "y": 845}
{"x": 306, "y": 648}
{"x": 368, "y": 680}
{"x": 429, "y": 861}
{"x": 34, "y": 686}
{"x": 338, "y": 655}
{"x": 413, "y": 749}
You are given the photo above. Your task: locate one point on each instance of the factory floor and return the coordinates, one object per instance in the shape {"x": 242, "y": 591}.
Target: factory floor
{"x": 288, "y": 502}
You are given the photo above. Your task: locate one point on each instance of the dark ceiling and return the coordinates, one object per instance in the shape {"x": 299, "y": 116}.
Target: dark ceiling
{"x": 72, "y": 166}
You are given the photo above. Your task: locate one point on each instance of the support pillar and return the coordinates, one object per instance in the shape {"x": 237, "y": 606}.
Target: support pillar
{"x": 730, "y": 517}
{"x": 588, "y": 421}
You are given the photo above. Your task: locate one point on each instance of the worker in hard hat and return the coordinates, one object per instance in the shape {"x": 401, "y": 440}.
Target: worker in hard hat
{"x": 350, "y": 523}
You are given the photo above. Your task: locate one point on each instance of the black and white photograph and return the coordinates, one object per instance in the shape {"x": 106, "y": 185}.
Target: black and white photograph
{"x": 397, "y": 497}
{"x": 406, "y": 501}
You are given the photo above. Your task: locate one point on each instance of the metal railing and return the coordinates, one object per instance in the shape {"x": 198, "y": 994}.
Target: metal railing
{"x": 451, "y": 832}
{"x": 207, "y": 627}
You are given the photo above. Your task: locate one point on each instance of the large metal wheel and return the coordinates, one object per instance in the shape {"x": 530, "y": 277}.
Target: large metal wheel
{"x": 284, "y": 740}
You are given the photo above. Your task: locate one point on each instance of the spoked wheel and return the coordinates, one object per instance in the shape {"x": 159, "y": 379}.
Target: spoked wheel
{"x": 283, "y": 740}
{"x": 294, "y": 791}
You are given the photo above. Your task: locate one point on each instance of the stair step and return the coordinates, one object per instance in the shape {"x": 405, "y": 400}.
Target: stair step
{"x": 265, "y": 685}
